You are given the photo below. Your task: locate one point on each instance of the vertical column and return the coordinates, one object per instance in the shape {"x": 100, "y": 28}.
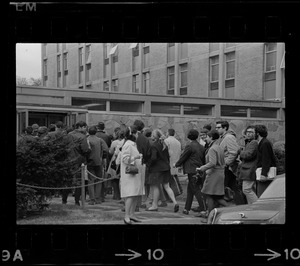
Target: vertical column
{"x": 109, "y": 72}
{"x": 176, "y": 70}
{"x": 279, "y": 71}
{"x": 141, "y": 52}
{"x": 221, "y": 70}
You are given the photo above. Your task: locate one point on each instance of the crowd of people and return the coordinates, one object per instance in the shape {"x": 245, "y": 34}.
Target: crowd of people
{"x": 141, "y": 162}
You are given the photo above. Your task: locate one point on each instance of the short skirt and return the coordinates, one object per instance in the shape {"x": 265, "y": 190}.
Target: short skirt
{"x": 158, "y": 178}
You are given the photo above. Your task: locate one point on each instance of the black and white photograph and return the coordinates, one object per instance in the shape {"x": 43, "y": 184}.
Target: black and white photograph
{"x": 157, "y": 133}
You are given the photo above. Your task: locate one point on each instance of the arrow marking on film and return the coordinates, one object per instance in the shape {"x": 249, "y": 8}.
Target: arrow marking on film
{"x": 274, "y": 255}
{"x": 134, "y": 254}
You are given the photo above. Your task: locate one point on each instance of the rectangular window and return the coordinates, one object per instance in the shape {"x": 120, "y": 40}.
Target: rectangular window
{"x": 114, "y": 65}
{"x": 236, "y": 111}
{"x": 88, "y": 54}
{"x": 165, "y": 108}
{"x": 270, "y": 71}
{"x": 146, "y": 82}
{"x": 115, "y": 85}
{"x": 65, "y": 62}
{"x": 59, "y": 79}
{"x": 183, "y": 50}
{"x": 126, "y": 106}
{"x": 90, "y": 104}
{"x": 135, "y": 59}
{"x": 197, "y": 109}
{"x": 213, "y": 46}
{"x": 183, "y": 79}
{"x": 171, "y": 81}
{"x": 146, "y": 58}
{"x": 214, "y": 76}
{"x": 45, "y": 76}
{"x": 135, "y": 84}
{"x": 80, "y": 56}
{"x": 171, "y": 52}
{"x": 45, "y": 67}
{"x": 106, "y": 49}
{"x": 88, "y": 72}
{"x": 65, "y": 68}
{"x": 59, "y": 71}
{"x": 106, "y": 86}
{"x": 58, "y": 63}
{"x": 230, "y": 75}
{"x": 263, "y": 112}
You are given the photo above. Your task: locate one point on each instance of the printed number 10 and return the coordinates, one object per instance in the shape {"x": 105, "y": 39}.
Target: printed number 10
{"x": 157, "y": 254}
{"x": 293, "y": 254}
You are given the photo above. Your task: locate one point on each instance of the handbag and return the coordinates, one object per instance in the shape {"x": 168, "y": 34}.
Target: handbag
{"x": 175, "y": 185}
{"x": 271, "y": 173}
{"x": 131, "y": 169}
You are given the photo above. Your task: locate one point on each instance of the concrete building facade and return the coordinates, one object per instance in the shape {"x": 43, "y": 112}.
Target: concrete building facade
{"x": 179, "y": 85}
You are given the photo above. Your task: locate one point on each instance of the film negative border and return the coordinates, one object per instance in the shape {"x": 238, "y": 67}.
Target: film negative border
{"x": 153, "y": 245}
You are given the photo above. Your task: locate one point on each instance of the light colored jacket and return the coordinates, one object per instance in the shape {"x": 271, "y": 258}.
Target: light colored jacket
{"x": 174, "y": 147}
{"x": 229, "y": 145}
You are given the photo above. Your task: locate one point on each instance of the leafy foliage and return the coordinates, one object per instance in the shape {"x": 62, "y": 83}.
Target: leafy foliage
{"x": 44, "y": 164}
{"x": 279, "y": 151}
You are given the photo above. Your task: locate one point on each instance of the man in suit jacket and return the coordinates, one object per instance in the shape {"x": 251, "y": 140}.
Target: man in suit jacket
{"x": 265, "y": 157}
{"x": 192, "y": 158}
{"x": 248, "y": 166}
{"x": 94, "y": 162}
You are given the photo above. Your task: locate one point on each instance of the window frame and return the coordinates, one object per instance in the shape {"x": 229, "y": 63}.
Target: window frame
{"x": 168, "y": 80}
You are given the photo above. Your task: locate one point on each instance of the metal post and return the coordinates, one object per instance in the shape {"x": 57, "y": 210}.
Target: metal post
{"x": 83, "y": 170}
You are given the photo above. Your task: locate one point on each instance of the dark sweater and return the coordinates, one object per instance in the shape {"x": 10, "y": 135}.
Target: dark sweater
{"x": 160, "y": 159}
{"x": 265, "y": 156}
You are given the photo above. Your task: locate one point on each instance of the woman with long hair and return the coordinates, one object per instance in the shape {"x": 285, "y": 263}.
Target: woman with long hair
{"x": 131, "y": 185}
{"x": 159, "y": 170}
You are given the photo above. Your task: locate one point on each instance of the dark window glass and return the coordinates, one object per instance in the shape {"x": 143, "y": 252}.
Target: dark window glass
{"x": 237, "y": 111}
{"x": 197, "y": 109}
{"x": 126, "y": 106}
{"x": 90, "y": 104}
{"x": 165, "y": 108}
{"x": 263, "y": 112}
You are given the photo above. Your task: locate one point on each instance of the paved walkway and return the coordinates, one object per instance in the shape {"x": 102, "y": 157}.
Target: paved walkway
{"x": 164, "y": 215}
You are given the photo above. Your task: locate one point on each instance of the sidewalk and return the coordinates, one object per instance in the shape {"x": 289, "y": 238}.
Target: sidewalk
{"x": 164, "y": 215}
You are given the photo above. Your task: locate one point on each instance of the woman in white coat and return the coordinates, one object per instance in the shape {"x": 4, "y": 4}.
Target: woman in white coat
{"x": 131, "y": 185}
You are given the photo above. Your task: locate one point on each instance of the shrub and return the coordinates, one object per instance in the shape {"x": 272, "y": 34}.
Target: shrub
{"x": 279, "y": 151}
{"x": 44, "y": 164}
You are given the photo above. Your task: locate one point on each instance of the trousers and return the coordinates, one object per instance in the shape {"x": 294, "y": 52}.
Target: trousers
{"x": 231, "y": 182}
{"x": 193, "y": 189}
{"x": 248, "y": 191}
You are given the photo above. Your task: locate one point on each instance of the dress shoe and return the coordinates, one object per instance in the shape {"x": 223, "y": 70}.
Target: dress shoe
{"x": 152, "y": 210}
{"x": 135, "y": 220}
{"x": 127, "y": 222}
{"x": 176, "y": 208}
{"x": 186, "y": 212}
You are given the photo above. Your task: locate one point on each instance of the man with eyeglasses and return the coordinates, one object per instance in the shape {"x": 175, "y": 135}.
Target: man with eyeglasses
{"x": 248, "y": 156}
{"x": 230, "y": 147}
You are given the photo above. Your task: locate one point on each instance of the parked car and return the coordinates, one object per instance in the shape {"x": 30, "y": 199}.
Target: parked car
{"x": 268, "y": 209}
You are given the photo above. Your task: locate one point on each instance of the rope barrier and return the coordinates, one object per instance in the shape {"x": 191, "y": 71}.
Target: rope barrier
{"x": 60, "y": 188}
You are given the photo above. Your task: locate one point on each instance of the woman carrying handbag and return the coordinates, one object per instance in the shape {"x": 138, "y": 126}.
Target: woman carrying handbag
{"x": 131, "y": 181}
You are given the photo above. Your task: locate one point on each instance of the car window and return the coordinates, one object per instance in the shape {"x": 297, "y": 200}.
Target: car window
{"x": 275, "y": 190}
